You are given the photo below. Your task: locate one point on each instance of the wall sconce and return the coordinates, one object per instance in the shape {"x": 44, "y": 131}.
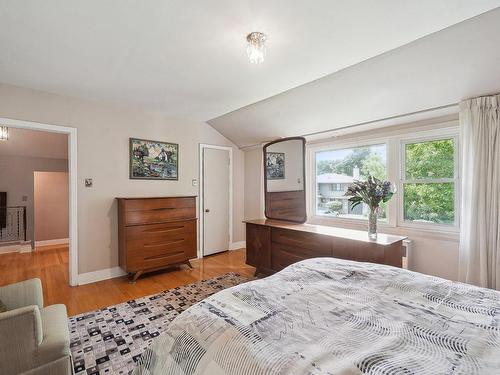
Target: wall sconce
{"x": 4, "y": 133}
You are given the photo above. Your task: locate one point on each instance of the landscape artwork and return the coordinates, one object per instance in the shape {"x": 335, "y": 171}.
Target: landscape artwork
{"x": 275, "y": 165}
{"x": 153, "y": 160}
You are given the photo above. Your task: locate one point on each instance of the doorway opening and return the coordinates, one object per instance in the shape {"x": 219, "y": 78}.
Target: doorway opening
{"x": 38, "y": 199}
{"x": 216, "y": 199}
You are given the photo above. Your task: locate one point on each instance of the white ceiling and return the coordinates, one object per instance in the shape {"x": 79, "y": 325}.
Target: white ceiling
{"x": 436, "y": 71}
{"x": 35, "y": 143}
{"x": 186, "y": 58}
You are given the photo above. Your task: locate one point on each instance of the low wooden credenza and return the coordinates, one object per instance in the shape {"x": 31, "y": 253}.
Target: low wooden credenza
{"x": 155, "y": 233}
{"x": 273, "y": 245}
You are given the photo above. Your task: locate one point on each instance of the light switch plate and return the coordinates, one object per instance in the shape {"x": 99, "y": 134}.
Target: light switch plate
{"x": 89, "y": 182}
{"x": 194, "y": 182}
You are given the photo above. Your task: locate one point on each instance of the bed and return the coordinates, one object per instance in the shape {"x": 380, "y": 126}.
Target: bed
{"x": 329, "y": 316}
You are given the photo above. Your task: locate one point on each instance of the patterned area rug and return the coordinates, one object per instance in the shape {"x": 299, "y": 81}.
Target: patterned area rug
{"x": 111, "y": 340}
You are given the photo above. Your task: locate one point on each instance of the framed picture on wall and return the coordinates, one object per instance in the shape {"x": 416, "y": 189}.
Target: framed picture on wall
{"x": 153, "y": 160}
{"x": 275, "y": 165}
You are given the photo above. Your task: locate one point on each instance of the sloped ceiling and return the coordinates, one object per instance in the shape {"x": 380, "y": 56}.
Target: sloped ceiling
{"x": 187, "y": 59}
{"x": 438, "y": 70}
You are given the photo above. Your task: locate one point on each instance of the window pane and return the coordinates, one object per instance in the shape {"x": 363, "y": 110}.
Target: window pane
{"x": 429, "y": 203}
{"x": 431, "y": 159}
{"x": 337, "y": 169}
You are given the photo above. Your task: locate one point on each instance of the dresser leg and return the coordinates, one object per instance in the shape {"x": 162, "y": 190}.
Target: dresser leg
{"x": 189, "y": 264}
{"x": 134, "y": 278}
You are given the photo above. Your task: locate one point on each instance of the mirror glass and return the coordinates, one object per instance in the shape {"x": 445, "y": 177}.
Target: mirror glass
{"x": 284, "y": 180}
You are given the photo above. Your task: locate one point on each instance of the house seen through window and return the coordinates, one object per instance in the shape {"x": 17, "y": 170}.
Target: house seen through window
{"x": 337, "y": 169}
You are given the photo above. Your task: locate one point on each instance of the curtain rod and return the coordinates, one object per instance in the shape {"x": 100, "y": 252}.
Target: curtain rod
{"x": 366, "y": 123}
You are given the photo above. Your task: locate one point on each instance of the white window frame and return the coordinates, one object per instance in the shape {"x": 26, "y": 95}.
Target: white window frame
{"x": 455, "y": 180}
{"x": 394, "y": 164}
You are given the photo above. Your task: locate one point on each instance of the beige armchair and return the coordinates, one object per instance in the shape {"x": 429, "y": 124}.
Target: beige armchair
{"x": 33, "y": 339}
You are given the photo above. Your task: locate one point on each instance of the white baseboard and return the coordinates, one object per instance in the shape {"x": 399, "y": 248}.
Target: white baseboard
{"x": 237, "y": 245}
{"x": 95, "y": 276}
{"x": 24, "y": 247}
{"x": 58, "y": 241}
{"x": 10, "y": 249}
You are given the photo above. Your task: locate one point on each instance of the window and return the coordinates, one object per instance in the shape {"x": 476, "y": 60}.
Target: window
{"x": 422, "y": 164}
{"x": 428, "y": 181}
{"x": 336, "y": 169}
{"x": 336, "y": 187}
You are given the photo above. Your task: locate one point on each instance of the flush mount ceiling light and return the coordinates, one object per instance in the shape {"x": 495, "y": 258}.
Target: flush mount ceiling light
{"x": 256, "y": 47}
{"x": 4, "y": 133}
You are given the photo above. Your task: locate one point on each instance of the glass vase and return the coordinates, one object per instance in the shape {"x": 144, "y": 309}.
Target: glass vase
{"x": 372, "y": 223}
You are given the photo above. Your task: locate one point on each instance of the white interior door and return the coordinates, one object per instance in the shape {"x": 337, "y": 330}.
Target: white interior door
{"x": 215, "y": 200}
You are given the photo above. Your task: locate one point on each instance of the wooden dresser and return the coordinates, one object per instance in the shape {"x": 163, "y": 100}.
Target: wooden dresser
{"x": 272, "y": 245}
{"x": 155, "y": 233}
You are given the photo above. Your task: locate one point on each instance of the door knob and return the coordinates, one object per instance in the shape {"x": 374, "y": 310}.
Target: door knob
{"x": 207, "y": 210}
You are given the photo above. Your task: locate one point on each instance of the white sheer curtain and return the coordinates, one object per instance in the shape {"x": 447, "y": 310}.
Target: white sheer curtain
{"x": 480, "y": 209}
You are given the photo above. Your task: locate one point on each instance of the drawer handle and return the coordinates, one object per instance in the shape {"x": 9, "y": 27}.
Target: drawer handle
{"x": 299, "y": 240}
{"x": 162, "y": 209}
{"x": 163, "y": 243}
{"x": 163, "y": 255}
{"x": 162, "y": 230}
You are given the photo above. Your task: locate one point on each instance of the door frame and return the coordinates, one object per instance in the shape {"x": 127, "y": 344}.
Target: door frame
{"x": 73, "y": 187}
{"x": 201, "y": 241}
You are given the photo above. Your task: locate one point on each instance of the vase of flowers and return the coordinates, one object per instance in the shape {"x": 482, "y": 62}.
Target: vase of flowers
{"x": 372, "y": 192}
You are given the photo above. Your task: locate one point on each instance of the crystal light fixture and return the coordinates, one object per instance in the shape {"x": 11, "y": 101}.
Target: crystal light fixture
{"x": 256, "y": 47}
{"x": 4, "y": 133}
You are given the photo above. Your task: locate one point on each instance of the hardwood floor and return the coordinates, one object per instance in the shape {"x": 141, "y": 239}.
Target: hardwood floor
{"x": 51, "y": 266}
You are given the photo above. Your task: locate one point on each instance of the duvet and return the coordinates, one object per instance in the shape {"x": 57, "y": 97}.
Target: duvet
{"x": 329, "y": 316}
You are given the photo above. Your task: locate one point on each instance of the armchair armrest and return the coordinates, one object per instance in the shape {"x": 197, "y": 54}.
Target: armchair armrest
{"x": 21, "y": 333}
{"x": 24, "y": 293}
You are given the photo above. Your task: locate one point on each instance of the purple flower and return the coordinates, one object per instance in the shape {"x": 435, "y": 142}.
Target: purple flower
{"x": 371, "y": 192}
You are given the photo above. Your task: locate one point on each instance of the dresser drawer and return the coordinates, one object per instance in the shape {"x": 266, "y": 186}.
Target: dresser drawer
{"x": 157, "y": 258}
{"x": 284, "y": 255}
{"x": 167, "y": 235}
{"x": 358, "y": 251}
{"x": 146, "y": 211}
{"x": 163, "y": 231}
{"x": 312, "y": 243}
{"x": 161, "y": 246}
{"x": 258, "y": 247}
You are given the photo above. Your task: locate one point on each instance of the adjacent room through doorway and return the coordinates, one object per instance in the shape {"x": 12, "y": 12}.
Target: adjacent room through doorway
{"x": 51, "y": 199}
{"x": 34, "y": 213}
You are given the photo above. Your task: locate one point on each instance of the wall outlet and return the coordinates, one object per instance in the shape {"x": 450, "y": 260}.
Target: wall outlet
{"x": 25, "y": 198}
{"x": 194, "y": 182}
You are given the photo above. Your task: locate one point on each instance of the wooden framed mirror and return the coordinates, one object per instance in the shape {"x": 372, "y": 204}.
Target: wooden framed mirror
{"x": 284, "y": 180}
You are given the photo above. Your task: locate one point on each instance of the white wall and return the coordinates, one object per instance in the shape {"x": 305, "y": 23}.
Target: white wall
{"x": 16, "y": 178}
{"x": 434, "y": 253}
{"x": 34, "y": 143}
{"x": 51, "y": 211}
{"x": 103, "y": 135}
{"x": 254, "y": 184}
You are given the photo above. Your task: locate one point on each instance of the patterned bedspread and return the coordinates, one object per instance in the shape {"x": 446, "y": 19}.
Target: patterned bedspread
{"x": 329, "y": 316}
